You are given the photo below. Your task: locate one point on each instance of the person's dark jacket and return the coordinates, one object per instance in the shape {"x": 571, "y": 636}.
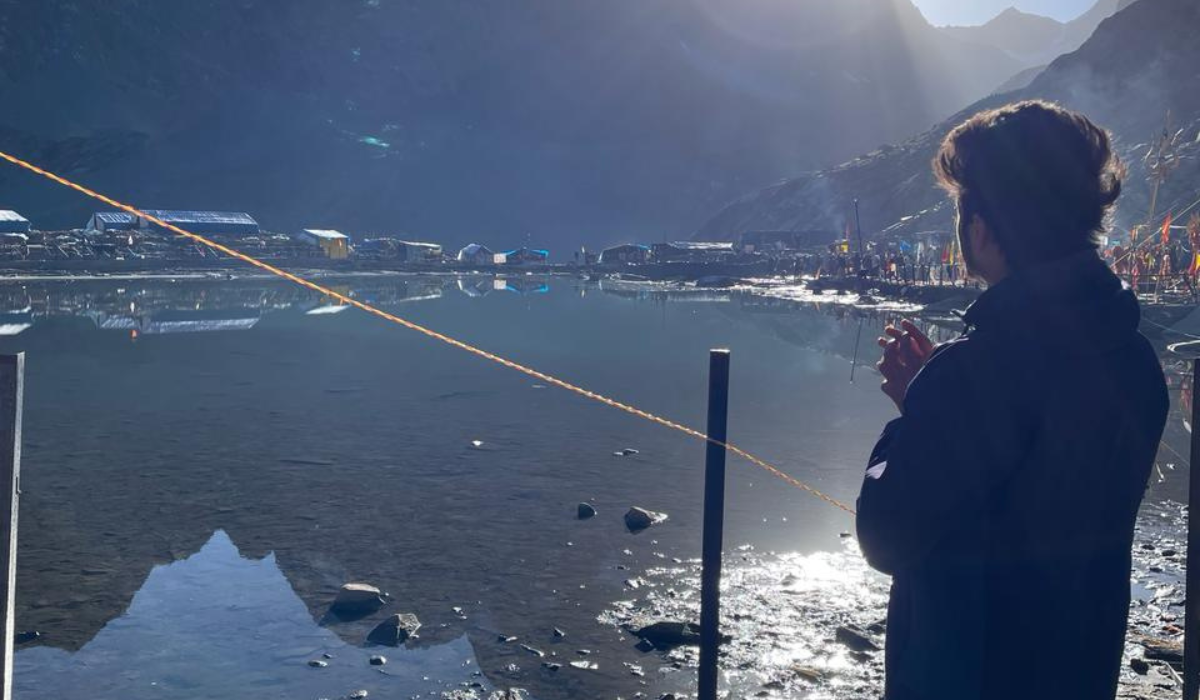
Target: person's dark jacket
{"x": 1003, "y": 501}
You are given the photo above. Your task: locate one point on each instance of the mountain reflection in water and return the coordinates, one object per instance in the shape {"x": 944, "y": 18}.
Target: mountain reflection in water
{"x": 217, "y": 625}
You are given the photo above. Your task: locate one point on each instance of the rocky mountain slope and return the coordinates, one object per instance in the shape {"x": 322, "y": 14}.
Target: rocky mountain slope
{"x": 463, "y": 120}
{"x": 1139, "y": 65}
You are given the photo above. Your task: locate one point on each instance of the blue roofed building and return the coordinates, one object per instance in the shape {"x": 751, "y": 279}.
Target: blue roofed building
{"x": 205, "y": 223}
{"x": 12, "y": 222}
{"x": 103, "y": 221}
{"x": 628, "y": 253}
{"x": 526, "y": 256}
{"x": 476, "y": 254}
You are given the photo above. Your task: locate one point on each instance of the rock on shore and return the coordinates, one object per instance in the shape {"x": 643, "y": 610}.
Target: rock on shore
{"x": 638, "y": 519}
{"x": 395, "y": 630}
{"x": 357, "y": 599}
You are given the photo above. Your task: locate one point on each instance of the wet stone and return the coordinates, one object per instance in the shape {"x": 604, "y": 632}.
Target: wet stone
{"x": 638, "y": 519}
{"x": 395, "y": 630}
{"x": 559, "y": 633}
{"x": 27, "y": 637}
{"x": 1170, "y": 651}
{"x": 378, "y": 660}
{"x": 665, "y": 635}
{"x": 317, "y": 663}
{"x": 1139, "y": 666}
{"x": 358, "y": 695}
{"x": 585, "y": 511}
{"x": 856, "y": 639}
{"x": 357, "y": 599}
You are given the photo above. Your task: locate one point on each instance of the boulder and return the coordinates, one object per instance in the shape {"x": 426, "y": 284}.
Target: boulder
{"x": 586, "y": 510}
{"x": 638, "y": 519}
{"x": 377, "y": 660}
{"x": 1170, "y": 651}
{"x": 395, "y": 630}
{"x": 357, "y": 599}
{"x": 855, "y": 638}
{"x": 664, "y": 635}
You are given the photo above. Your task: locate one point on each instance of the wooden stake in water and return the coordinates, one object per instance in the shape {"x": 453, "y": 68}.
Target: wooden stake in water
{"x": 714, "y": 522}
{"x": 12, "y": 388}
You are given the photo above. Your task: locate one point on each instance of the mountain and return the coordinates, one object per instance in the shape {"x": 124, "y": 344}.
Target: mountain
{"x": 1034, "y": 40}
{"x": 463, "y": 120}
{"x": 1140, "y": 65}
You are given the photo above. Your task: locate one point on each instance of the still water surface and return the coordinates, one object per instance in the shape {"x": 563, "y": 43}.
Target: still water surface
{"x": 207, "y": 461}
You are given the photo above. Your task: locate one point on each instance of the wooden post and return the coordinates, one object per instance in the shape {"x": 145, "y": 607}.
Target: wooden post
{"x": 1191, "y": 605}
{"x": 714, "y": 523}
{"x": 12, "y": 394}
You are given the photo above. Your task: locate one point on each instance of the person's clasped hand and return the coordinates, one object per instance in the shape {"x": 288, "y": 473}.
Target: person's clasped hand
{"x": 905, "y": 351}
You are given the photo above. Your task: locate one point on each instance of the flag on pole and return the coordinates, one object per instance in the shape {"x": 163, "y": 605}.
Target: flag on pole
{"x": 1166, "y": 229}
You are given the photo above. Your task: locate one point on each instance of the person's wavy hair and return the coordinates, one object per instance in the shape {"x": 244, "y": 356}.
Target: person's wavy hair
{"x": 1041, "y": 177}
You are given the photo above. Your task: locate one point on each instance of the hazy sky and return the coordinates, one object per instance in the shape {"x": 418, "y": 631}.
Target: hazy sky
{"x": 979, "y": 11}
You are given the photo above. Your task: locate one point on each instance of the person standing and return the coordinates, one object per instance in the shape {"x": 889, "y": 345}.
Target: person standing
{"x": 1002, "y": 501}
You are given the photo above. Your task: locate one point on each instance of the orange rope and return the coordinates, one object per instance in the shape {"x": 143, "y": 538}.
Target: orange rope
{"x": 541, "y": 376}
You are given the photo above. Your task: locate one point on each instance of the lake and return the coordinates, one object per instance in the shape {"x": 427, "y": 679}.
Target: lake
{"x": 207, "y": 461}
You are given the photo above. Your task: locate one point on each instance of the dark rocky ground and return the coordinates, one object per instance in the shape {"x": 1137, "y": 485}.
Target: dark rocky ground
{"x": 808, "y": 627}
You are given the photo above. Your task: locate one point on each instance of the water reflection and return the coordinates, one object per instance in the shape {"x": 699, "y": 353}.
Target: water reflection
{"x": 218, "y": 625}
{"x": 353, "y": 450}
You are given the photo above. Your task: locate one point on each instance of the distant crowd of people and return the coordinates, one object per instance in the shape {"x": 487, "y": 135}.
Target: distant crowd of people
{"x": 1160, "y": 265}
{"x": 1164, "y": 264}
{"x": 919, "y": 265}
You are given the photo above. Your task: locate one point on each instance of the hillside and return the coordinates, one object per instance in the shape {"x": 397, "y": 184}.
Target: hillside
{"x": 1034, "y": 40}
{"x": 462, "y": 120}
{"x": 1139, "y": 64}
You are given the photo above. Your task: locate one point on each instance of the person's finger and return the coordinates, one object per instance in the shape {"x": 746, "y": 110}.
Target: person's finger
{"x": 912, "y": 348}
{"x": 922, "y": 340}
{"x": 883, "y": 342}
{"x": 894, "y": 332}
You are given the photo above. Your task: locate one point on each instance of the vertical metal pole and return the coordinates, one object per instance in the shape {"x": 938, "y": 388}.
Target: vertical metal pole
{"x": 714, "y": 522}
{"x": 858, "y": 225}
{"x": 1191, "y": 614}
{"x": 12, "y": 391}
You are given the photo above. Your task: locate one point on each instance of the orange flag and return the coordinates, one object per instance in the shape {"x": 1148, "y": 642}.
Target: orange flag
{"x": 1166, "y": 230}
